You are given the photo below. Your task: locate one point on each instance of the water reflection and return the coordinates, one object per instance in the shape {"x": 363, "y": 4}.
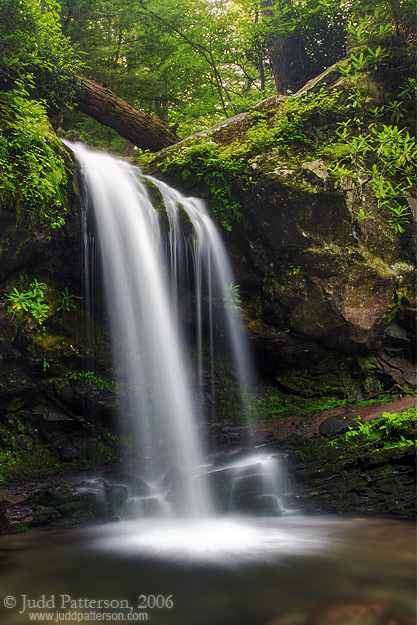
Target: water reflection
{"x": 286, "y": 571}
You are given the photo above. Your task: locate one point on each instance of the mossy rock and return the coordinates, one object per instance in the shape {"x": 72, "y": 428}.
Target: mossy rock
{"x": 44, "y": 515}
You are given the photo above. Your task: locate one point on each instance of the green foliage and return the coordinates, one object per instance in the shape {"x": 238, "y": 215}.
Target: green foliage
{"x": 294, "y": 127}
{"x": 31, "y": 298}
{"x": 306, "y": 37}
{"x": 183, "y": 61}
{"x": 16, "y": 464}
{"x": 67, "y": 301}
{"x": 275, "y": 404}
{"x": 381, "y": 31}
{"x": 34, "y": 54}
{"x": 37, "y": 77}
{"x": 205, "y": 162}
{"x": 231, "y": 297}
{"x": 31, "y": 301}
{"x": 89, "y": 377}
{"x": 196, "y": 63}
{"x": 384, "y": 155}
{"x": 32, "y": 165}
{"x": 390, "y": 431}
{"x": 106, "y": 451}
{"x": 375, "y": 144}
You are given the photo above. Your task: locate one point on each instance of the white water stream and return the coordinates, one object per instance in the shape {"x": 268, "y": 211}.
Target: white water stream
{"x": 148, "y": 287}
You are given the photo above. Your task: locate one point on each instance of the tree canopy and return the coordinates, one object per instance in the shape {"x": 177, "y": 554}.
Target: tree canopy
{"x": 190, "y": 62}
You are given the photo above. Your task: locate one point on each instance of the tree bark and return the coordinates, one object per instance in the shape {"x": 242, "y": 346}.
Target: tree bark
{"x": 144, "y": 131}
{"x": 277, "y": 50}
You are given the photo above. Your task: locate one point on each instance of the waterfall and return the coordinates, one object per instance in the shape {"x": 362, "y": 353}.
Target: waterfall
{"x": 214, "y": 284}
{"x": 173, "y": 308}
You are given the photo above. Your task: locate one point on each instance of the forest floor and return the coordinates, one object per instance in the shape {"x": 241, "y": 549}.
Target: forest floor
{"x": 308, "y": 425}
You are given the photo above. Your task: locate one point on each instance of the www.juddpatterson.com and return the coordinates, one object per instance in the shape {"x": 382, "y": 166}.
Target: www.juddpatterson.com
{"x": 64, "y": 608}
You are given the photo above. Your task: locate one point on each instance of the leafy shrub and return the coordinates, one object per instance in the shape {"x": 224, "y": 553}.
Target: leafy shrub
{"x": 67, "y": 301}
{"x": 32, "y": 165}
{"x": 31, "y": 301}
{"x": 391, "y": 430}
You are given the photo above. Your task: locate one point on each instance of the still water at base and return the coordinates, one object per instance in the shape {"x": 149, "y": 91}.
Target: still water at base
{"x": 229, "y": 571}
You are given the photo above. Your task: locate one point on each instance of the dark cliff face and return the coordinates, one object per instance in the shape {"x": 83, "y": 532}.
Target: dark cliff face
{"x": 47, "y": 407}
{"x": 328, "y": 296}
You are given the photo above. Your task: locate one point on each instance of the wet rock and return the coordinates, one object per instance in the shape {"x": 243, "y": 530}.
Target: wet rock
{"x": 296, "y": 618}
{"x": 142, "y": 507}
{"x": 116, "y": 495}
{"x": 398, "y": 455}
{"x": 315, "y": 172}
{"x": 176, "y": 485}
{"x": 346, "y": 479}
{"x": 60, "y": 422}
{"x": 361, "y": 613}
{"x": 82, "y": 393}
{"x": 65, "y": 505}
{"x": 226, "y": 431}
{"x": 319, "y": 285}
{"x": 174, "y": 479}
{"x": 44, "y": 515}
{"x": 14, "y": 517}
{"x": 135, "y": 484}
{"x": 150, "y": 506}
{"x": 397, "y": 336}
{"x": 113, "y": 495}
{"x": 248, "y": 495}
{"x": 397, "y": 370}
{"x": 71, "y": 135}
{"x": 336, "y": 425}
{"x": 51, "y": 497}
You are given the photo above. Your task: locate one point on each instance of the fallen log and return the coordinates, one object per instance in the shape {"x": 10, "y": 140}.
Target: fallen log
{"x": 144, "y": 131}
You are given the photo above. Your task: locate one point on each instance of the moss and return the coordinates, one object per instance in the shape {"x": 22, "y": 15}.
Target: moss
{"x": 342, "y": 476}
{"x": 17, "y": 528}
{"x": 275, "y": 402}
{"x": 44, "y": 515}
{"x": 327, "y": 382}
{"x": 19, "y": 463}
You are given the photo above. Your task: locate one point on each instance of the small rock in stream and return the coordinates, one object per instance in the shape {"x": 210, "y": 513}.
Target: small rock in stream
{"x": 296, "y": 618}
{"x": 14, "y": 517}
{"x": 361, "y": 613}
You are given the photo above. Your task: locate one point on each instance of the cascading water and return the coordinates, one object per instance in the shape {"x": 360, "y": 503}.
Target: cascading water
{"x": 209, "y": 260}
{"x": 145, "y": 291}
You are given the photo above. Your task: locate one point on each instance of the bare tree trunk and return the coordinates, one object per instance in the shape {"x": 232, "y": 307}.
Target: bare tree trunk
{"x": 277, "y": 51}
{"x": 144, "y": 131}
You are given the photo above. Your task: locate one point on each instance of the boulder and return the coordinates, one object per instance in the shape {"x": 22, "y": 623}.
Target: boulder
{"x": 336, "y": 425}
{"x": 14, "y": 517}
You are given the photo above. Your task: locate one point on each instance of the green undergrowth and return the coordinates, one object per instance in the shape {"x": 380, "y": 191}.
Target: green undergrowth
{"x": 36, "y": 301}
{"x": 275, "y": 404}
{"x": 16, "y": 464}
{"x": 37, "y": 459}
{"x": 90, "y": 377}
{"x": 33, "y": 170}
{"x": 368, "y": 470}
{"x": 391, "y": 430}
{"x": 291, "y": 129}
{"x": 204, "y": 162}
{"x": 365, "y": 143}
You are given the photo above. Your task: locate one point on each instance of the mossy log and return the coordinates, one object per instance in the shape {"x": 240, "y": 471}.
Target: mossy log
{"x": 144, "y": 131}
